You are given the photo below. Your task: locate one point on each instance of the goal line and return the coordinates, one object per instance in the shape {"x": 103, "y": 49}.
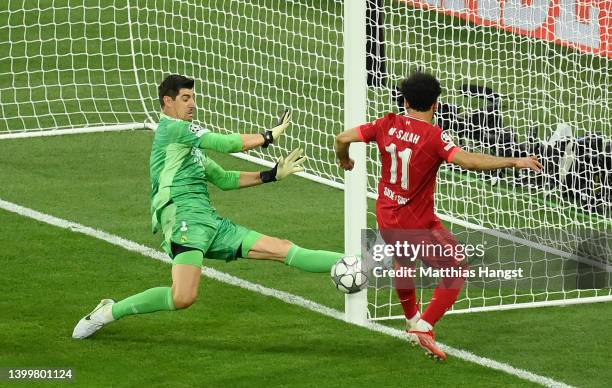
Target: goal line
{"x": 277, "y": 294}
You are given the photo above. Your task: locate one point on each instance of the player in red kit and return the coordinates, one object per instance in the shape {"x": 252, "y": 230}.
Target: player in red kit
{"x": 412, "y": 149}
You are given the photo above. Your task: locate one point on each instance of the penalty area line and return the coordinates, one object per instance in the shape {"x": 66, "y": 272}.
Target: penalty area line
{"x": 280, "y": 295}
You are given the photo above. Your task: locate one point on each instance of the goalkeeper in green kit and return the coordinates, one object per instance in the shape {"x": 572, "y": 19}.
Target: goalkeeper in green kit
{"x": 181, "y": 208}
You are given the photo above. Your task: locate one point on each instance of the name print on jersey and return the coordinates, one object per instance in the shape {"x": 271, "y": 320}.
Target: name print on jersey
{"x": 404, "y": 135}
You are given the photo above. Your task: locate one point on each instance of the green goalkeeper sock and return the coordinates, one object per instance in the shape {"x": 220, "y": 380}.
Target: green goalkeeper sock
{"x": 151, "y": 300}
{"x": 310, "y": 260}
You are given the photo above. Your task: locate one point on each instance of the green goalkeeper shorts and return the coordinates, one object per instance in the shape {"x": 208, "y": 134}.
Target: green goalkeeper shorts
{"x": 190, "y": 224}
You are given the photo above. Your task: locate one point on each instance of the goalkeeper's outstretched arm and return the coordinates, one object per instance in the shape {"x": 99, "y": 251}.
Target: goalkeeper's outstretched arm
{"x": 235, "y": 142}
{"x": 481, "y": 162}
{"x": 232, "y": 180}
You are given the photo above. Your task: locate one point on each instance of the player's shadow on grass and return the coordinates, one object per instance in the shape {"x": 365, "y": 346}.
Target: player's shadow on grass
{"x": 247, "y": 343}
{"x": 251, "y": 344}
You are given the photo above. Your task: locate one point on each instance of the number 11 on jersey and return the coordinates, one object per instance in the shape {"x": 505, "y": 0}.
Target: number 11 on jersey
{"x": 404, "y": 156}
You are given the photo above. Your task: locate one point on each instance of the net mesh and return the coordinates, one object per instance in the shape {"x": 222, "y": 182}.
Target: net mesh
{"x": 75, "y": 63}
{"x": 509, "y": 94}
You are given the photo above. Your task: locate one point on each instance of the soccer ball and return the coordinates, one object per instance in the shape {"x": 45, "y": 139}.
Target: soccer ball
{"x": 348, "y": 276}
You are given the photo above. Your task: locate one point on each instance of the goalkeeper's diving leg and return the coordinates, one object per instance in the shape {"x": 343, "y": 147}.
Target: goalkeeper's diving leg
{"x": 258, "y": 246}
{"x": 186, "y": 274}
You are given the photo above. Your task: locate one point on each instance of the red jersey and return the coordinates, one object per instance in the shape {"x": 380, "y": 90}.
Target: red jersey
{"x": 411, "y": 150}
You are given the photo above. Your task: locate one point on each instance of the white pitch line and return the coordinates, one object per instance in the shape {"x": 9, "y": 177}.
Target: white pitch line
{"x": 281, "y": 295}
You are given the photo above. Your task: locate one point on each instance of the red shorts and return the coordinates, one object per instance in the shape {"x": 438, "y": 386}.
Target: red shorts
{"x": 393, "y": 218}
{"x": 436, "y": 247}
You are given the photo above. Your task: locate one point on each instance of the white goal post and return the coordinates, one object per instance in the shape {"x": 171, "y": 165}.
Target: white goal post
{"x": 516, "y": 79}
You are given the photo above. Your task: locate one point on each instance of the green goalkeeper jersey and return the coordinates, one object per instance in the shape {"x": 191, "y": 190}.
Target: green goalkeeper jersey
{"x": 179, "y": 165}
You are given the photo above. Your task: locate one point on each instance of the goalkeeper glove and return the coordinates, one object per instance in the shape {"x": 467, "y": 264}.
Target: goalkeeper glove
{"x": 273, "y": 134}
{"x": 284, "y": 167}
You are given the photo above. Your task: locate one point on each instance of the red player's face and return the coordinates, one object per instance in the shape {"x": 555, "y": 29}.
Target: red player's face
{"x": 183, "y": 106}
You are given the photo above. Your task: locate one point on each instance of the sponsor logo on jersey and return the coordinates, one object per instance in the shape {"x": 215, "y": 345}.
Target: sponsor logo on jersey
{"x": 392, "y": 195}
{"x": 198, "y": 156}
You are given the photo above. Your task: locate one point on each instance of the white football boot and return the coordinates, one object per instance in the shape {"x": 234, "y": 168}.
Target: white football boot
{"x": 95, "y": 320}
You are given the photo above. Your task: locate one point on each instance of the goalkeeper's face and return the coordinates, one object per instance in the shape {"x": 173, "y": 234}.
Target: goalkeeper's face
{"x": 183, "y": 106}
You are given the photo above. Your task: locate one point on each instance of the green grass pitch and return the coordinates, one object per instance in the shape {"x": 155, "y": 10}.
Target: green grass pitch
{"x": 51, "y": 277}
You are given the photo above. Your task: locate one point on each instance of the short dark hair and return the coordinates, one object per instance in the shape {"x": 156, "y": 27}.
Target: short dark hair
{"x": 171, "y": 85}
{"x": 421, "y": 90}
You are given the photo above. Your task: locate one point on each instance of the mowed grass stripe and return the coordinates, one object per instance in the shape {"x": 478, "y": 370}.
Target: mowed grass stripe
{"x": 283, "y": 296}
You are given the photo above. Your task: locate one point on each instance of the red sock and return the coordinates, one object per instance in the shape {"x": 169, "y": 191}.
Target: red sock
{"x": 408, "y": 300}
{"x": 443, "y": 299}
{"x": 404, "y": 286}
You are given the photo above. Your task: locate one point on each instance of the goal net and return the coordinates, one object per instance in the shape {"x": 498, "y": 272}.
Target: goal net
{"x": 74, "y": 65}
{"x": 514, "y": 84}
